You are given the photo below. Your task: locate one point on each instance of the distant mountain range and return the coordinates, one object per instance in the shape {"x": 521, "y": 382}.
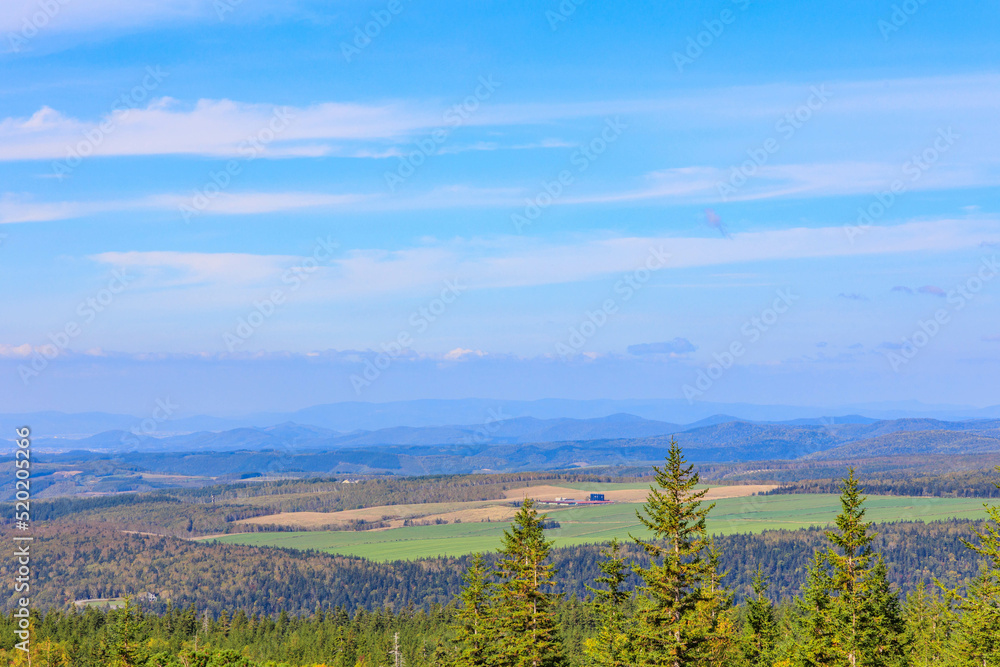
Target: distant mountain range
{"x": 350, "y": 417}
{"x": 290, "y": 435}
{"x": 412, "y": 438}
{"x": 530, "y": 443}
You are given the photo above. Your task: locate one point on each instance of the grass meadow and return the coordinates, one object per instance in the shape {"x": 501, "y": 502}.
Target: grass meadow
{"x": 583, "y": 525}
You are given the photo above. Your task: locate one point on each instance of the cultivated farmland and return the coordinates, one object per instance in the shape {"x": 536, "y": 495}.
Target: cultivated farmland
{"x": 591, "y": 524}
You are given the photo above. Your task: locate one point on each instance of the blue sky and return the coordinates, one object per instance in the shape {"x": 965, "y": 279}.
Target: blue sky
{"x": 245, "y": 205}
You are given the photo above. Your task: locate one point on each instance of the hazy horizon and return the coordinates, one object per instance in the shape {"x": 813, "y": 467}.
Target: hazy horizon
{"x": 254, "y": 206}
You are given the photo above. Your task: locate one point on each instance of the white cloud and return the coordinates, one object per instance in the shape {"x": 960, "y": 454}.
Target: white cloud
{"x": 463, "y": 354}
{"x": 711, "y": 184}
{"x": 81, "y": 15}
{"x": 526, "y": 262}
{"x": 38, "y": 19}
{"x": 685, "y": 185}
{"x": 17, "y": 351}
{"x": 249, "y": 203}
{"x": 22, "y": 209}
{"x": 159, "y": 269}
{"x": 221, "y": 127}
{"x": 15, "y": 208}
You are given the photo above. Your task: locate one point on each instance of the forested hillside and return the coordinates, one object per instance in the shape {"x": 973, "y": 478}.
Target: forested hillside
{"x": 103, "y": 464}
{"x": 76, "y": 562}
{"x": 965, "y": 484}
{"x": 672, "y": 595}
{"x": 213, "y": 509}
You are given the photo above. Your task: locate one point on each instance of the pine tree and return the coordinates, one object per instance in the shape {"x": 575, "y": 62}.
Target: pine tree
{"x": 928, "y": 628}
{"x": 885, "y": 639}
{"x": 716, "y": 614}
{"x": 610, "y": 647}
{"x": 864, "y": 612}
{"x": 525, "y": 628}
{"x": 125, "y": 637}
{"x": 673, "y": 621}
{"x": 850, "y": 569}
{"x": 474, "y": 617}
{"x": 760, "y": 627}
{"x": 978, "y": 632}
{"x": 815, "y": 646}
{"x": 979, "y": 628}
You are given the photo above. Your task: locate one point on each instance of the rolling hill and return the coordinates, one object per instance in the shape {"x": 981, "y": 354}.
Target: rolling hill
{"x": 908, "y": 443}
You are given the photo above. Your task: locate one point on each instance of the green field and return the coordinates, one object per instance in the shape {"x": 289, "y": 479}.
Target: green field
{"x": 101, "y": 603}
{"x": 583, "y": 525}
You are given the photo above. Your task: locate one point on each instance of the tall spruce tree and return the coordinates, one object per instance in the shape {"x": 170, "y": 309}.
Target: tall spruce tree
{"x": 886, "y": 642}
{"x": 126, "y": 632}
{"x": 673, "y": 622}
{"x": 610, "y": 647}
{"x": 851, "y": 566}
{"x": 760, "y": 627}
{"x": 815, "y": 645}
{"x": 929, "y": 623}
{"x": 474, "y": 618}
{"x": 716, "y": 613}
{"x": 978, "y": 640}
{"x": 525, "y": 628}
{"x": 864, "y": 612}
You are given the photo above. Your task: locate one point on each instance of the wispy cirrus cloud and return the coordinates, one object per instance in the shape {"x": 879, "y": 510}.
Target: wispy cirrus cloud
{"x": 172, "y": 269}
{"x": 69, "y": 16}
{"x": 701, "y": 184}
{"x": 520, "y": 262}
{"x": 218, "y": 127}
{"x": 15, "y": 209}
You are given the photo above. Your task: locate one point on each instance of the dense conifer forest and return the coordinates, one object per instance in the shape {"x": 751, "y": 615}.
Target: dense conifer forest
{"x": 858, "y": 594}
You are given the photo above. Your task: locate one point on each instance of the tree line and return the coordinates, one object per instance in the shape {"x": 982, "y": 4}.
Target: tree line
{"x": 965, "y": 484}
{"x": 664, "y": 599}
{"x": 682, "y": 613}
